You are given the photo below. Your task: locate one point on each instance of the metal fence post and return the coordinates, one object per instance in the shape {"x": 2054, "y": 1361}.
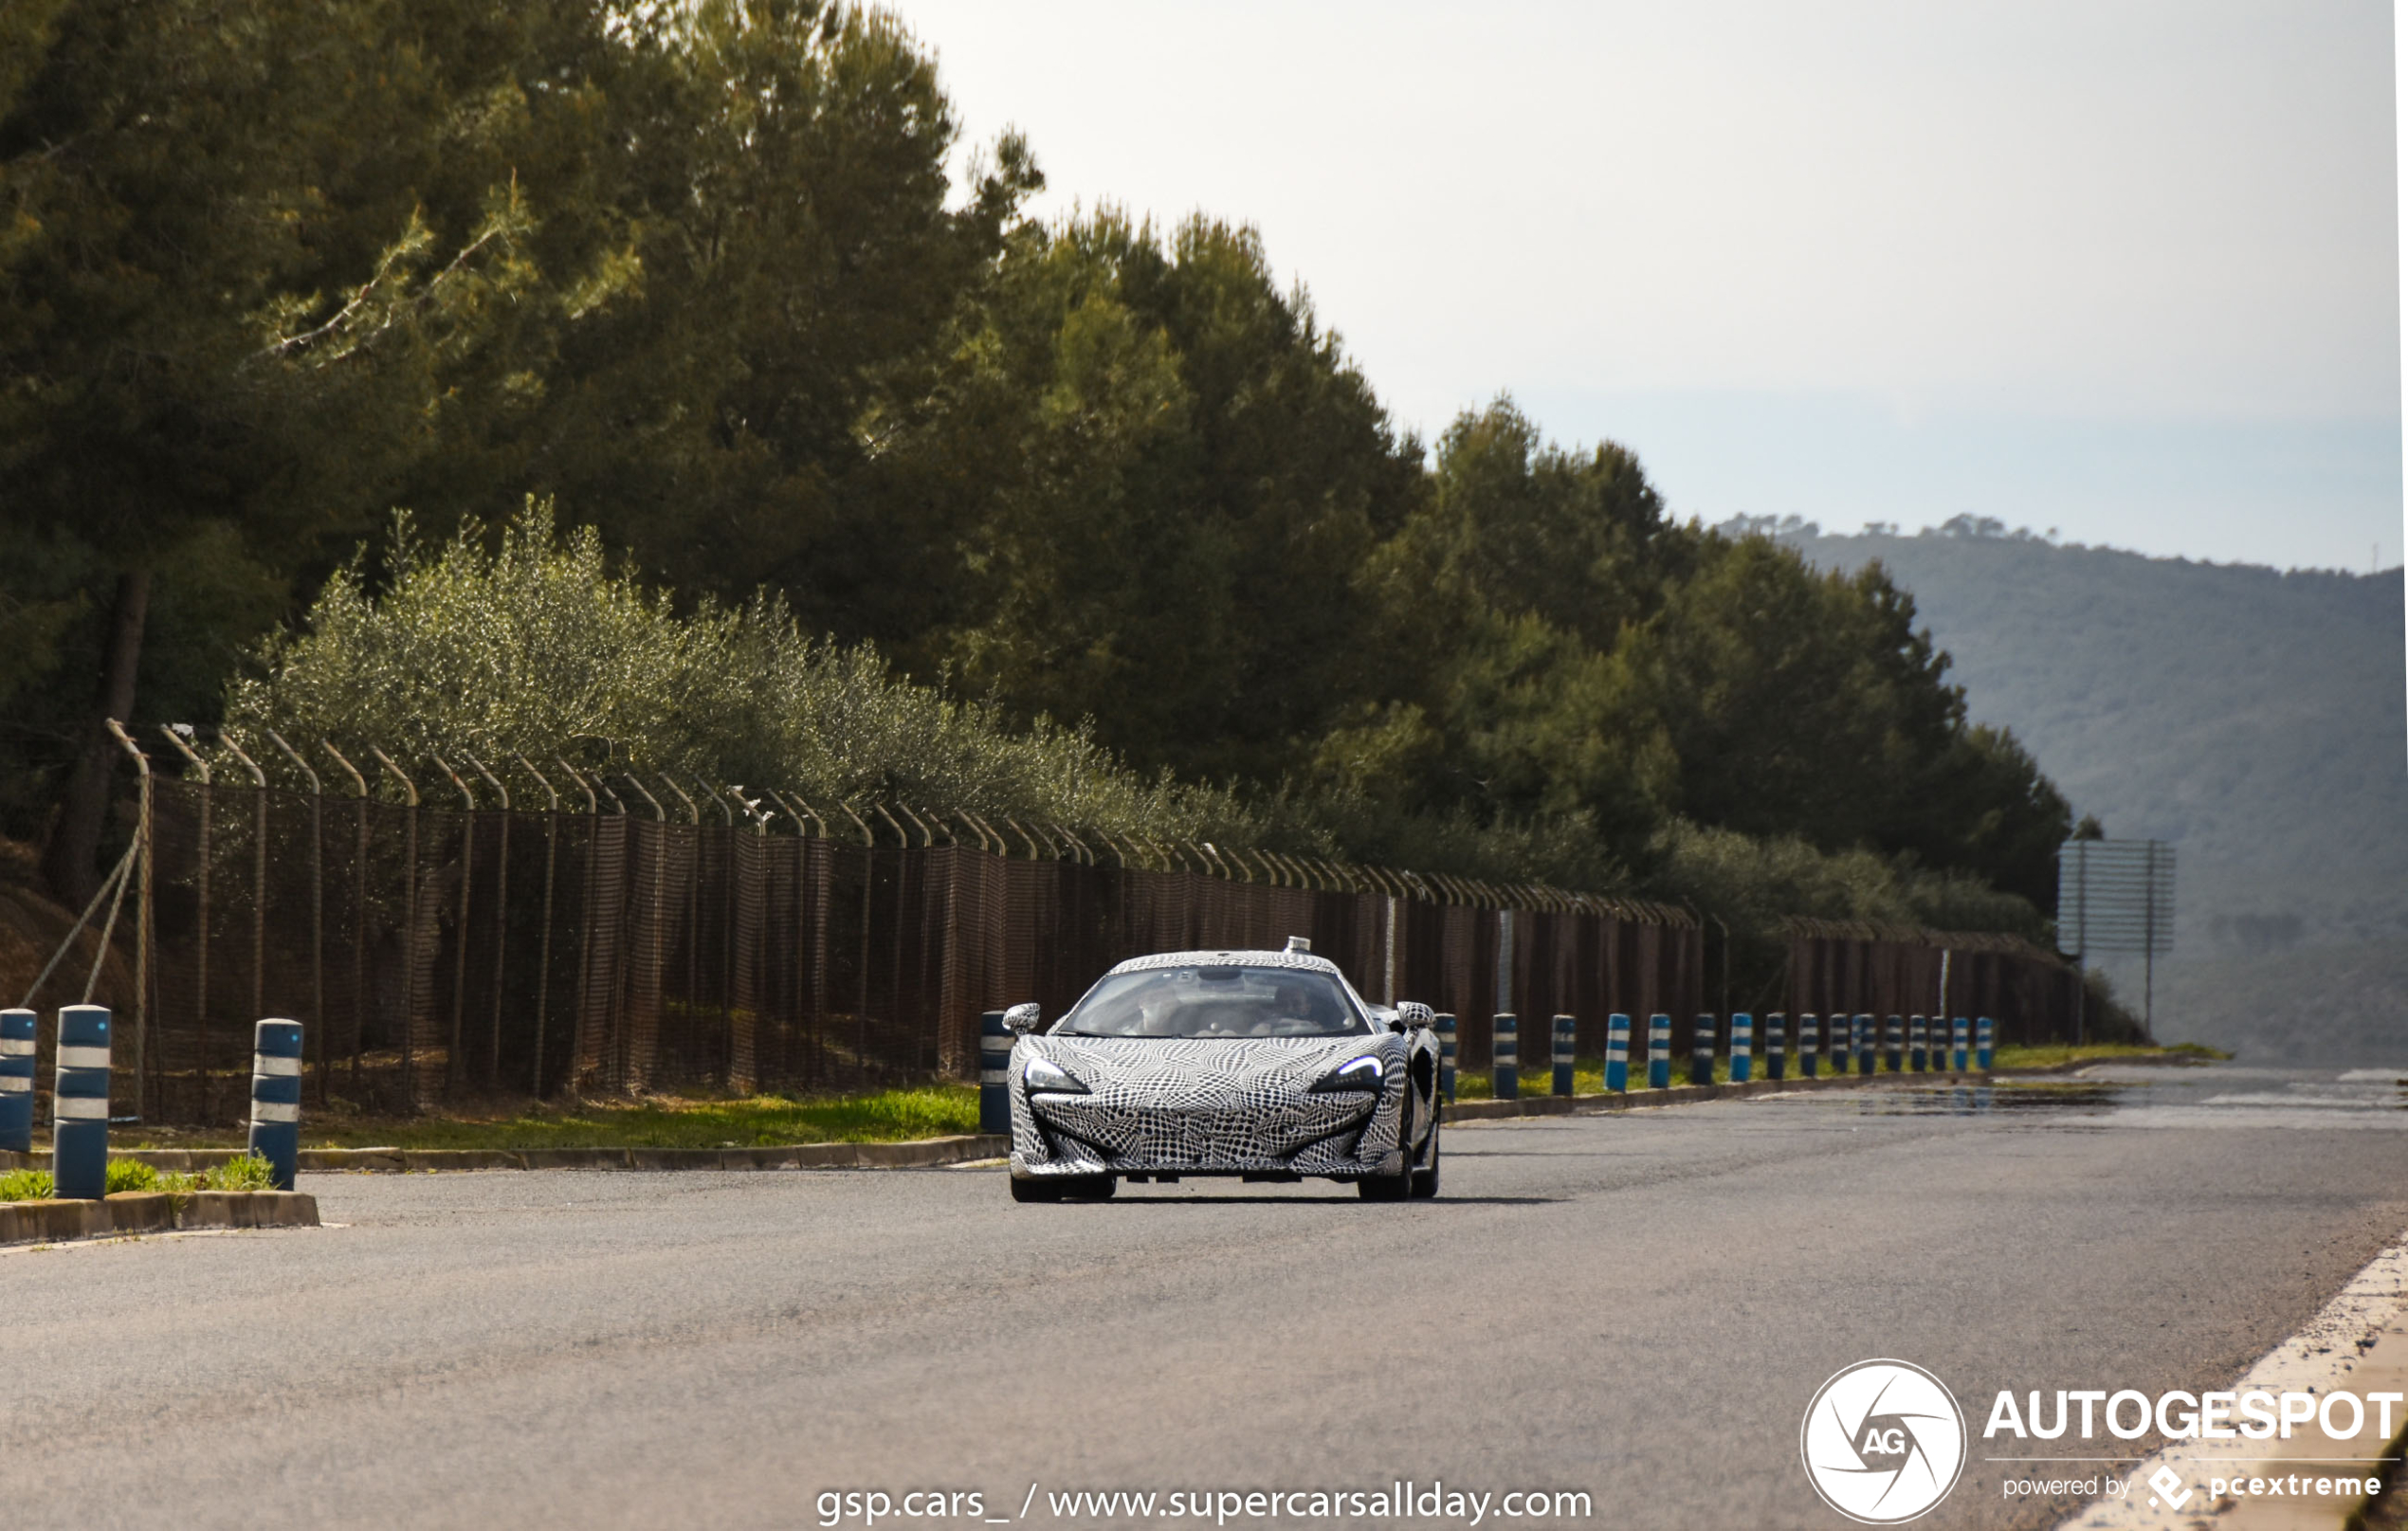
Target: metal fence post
{"x": 1809, "y": 1039}
{"x": 276, "y": 1083}
{"x": 16, "y": 1081}
{"x": 1446, "y": 1025}
{"x": 317, "y": 905}
{"x": 1863, "y": 1026}
{"x": 1957, "y": 1043}
{"x": 1701, "y": 1051}
{"x": 1776, "y": 1045}
{"x": 1617, "y": 1053}
{"x": 1743, "y": 1046}
{"x": 994, "y": 1072}
{"x": 1505, "y": 1060}
{"x": 1982, "y": 1054}
{"x": 1659, "y": 1053}
{"x": 1919, "y": 1042}
{"x": 1894, "y": 1048}
{"x": 80, "y": 1105}
{"x": 1564, "y": 1035}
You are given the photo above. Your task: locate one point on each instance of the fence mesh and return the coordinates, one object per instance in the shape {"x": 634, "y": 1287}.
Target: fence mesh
{"x": 440, "y": 953}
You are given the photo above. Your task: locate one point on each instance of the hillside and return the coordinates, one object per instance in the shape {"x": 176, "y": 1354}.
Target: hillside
{"x": 2251, "y": 717}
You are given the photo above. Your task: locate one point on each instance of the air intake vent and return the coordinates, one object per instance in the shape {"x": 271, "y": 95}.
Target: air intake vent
{"x": 1300, "y": 944}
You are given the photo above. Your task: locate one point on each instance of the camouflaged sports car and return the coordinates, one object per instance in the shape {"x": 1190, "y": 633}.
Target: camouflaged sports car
{"x": 1265, "y": 1066}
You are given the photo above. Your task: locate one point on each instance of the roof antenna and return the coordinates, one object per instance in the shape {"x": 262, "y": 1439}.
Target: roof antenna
{"x": 1300, "y": 944}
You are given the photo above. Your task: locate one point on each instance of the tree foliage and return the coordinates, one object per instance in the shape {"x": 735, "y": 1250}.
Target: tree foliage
{"x": 711, "y": 279}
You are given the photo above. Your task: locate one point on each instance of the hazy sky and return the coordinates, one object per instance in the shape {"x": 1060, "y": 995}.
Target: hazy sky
{"x": 2124, "y": 269}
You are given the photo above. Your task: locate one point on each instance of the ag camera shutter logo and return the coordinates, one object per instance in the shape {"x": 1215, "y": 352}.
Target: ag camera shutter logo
{"x": 1884, "y": 1441}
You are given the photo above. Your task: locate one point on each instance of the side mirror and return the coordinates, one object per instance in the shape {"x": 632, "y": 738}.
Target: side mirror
{"x": 1021, "y": 1019}
{"x": 1413, "y": 1015}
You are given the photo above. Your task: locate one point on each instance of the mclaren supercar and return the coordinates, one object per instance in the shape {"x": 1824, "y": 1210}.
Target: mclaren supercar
{"x": 1262, "y": 1066}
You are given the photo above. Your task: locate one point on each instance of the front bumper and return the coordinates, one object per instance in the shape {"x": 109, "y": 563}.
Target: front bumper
{"x": 1342, "y": 1136}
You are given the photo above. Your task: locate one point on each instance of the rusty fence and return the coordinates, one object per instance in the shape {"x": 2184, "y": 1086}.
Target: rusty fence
{"x": 628, "y": 935}
{"x": 1848, "y": 969}
{"x": 626, "y": 943}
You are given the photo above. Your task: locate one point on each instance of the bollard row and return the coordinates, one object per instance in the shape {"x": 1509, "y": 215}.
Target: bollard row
{"x": 80, "y": 1098}
{"x": 1891, "y": 1045}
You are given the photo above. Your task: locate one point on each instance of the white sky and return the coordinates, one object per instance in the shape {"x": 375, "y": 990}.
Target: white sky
{"x": 2124, "y": 268}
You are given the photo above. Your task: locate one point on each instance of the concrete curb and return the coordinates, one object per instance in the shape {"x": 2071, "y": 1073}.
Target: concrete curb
{"x": 1566, "y": 1105}
{"x": 154, "y": 1212}
{"x": 914, "y": 1155}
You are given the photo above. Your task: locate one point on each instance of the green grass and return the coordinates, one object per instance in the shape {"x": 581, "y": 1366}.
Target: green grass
{"x": 763, "y": 1120}
{"x": 27, "y": 1185}
{"x": 2047, "y": 1057}
{"x": 1588, "y": 1074}
{"x": 130, "y": 1175}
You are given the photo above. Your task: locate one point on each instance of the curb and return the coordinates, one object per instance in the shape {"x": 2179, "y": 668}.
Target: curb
{"x": 921, "y": 1153}
{"x": 154, "y": 1212}
{"x": 1563, "y": 1105}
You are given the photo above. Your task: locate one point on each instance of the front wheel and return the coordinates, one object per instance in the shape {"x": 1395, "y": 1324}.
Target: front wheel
{"x": 1035, "y": 1190}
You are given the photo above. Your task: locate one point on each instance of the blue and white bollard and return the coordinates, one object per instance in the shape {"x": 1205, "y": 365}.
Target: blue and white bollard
{"x": 1446, "y": 1025}
{"x": 1505, "y": 1058}
{"x": 994, "y": 1072}
{"x": 1957, "y": 1042}
{"x": 1866, "y": 1042}
{"x": 1659, "y": 1053}
{"x": 1701, "y": 1051}
{"x": 1894, "y": 1050}
{"x": 16, "y": 1081}
{"x": 1919, "y": 1042}
{"x": 276, "y": 1081}
{"x": 1776, "y": 1045}
{"x": 1982, "y": 1044}
{"x": 1618, "y": 1054}
{"x": 1809, "y": 1044}
{"x": 1564, "y": 1035}
{"x": 80, "y": 1105}
{"x": 1743, "y": 1048}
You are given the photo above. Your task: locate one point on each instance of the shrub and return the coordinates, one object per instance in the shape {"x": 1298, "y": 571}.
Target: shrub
{"x": 27, "y": 1185}
{"x": 248, "y": 1171}
{"x": 131, "y": 1174}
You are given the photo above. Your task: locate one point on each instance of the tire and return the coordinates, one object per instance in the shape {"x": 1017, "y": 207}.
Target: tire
{"x": 1400, "y": 1185}
{"x": 1035, "y": 1190}
{"x": 1425, "y": 1180}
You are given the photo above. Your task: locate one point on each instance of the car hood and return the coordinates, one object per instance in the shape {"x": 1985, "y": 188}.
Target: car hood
{"x": 1169, "y": 1069}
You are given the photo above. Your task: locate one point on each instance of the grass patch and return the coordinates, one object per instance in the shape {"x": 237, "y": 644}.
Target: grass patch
{"x": 661, "y": 1122}
{"x": 2056, "y": 1055}
{"x": 1588, "y": 1074}
{"x": 246, "y": 1172}
{"x": 130, "y": 1175}
{"x": 27, "y": 1185}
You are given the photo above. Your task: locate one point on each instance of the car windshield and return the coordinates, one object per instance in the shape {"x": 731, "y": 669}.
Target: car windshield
{"x": 1212, "y": 1001}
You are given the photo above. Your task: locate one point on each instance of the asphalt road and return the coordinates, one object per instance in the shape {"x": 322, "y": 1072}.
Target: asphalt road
{"x": 1639, "y": 1307}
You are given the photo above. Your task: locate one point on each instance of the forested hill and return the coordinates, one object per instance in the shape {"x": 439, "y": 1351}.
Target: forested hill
{"x": 2253, "y": 718}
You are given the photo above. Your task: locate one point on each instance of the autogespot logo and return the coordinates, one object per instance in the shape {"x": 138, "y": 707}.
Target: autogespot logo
{"x": 1884, "y": 1442}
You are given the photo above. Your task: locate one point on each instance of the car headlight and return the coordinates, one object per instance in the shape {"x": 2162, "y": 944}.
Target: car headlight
{"x": 1046, "y": 1077}
{"x": 1364, "y": 1074}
